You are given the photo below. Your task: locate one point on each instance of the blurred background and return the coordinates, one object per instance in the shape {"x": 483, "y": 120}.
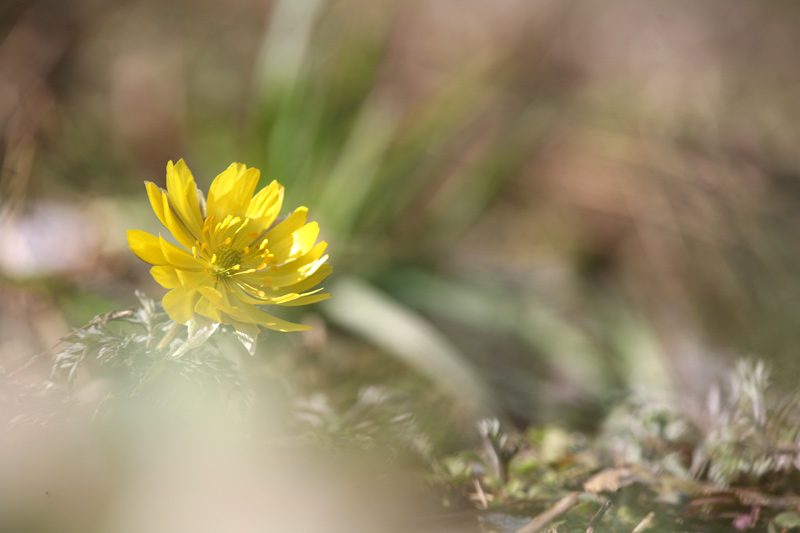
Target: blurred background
{"x": 532, "y": 206}
{"x": 564, "y": 197}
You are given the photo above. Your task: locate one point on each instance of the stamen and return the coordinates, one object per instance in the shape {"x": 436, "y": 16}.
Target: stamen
{"x": 208, "y": 223}
{"x": 224, "y": 224}
{"x": 243, "y": 225}
{"x": 253, "y": 291}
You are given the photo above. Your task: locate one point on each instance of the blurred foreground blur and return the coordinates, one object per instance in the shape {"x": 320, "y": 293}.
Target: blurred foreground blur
{"x": 534, "y": 209}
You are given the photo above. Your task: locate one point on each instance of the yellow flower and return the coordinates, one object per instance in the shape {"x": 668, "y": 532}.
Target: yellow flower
{"x": 234, "y": 256}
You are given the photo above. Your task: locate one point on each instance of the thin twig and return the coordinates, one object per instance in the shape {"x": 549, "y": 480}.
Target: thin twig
{"x": 562, "y": 506}
{"x": 481, "y": 495}
{"x": 644, "y": 523}
{"x": 472, "y": 513}
{"x": 596, "y": 519}
{"x": 101, "y": 320}
{"x": 30, "y": 361}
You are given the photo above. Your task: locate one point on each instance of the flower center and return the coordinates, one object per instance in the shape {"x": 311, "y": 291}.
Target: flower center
{"x": 228, "y": 257}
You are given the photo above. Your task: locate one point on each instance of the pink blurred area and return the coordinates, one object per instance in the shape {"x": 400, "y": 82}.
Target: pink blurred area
{"x": 52, "y": 239}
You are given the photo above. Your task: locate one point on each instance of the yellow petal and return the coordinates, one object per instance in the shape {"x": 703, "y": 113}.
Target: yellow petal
{"x": 176, "y": 227}
{"x": 166, "y": 276}
{"x": 155, "y": 194}
{"x": 302, "y": 285}
{"x": 192, "y": 279}
{"x": 265, "y": 206}
{"x": 290, "y": 224}
{"x": 218, "y": 296}
{"x": 206, "y": 308}
{"x": 243, "y": 296}
{"x": 178, "y": 257}
{"x": 230, "y": 192}
{"x": 146, "y": 247}
{"x": 292, "y": 278}
{"x": 288, "y": 296}
{"x": 179, "y": 304}
{"x": 237, "y": 314}
{"x": 295, "y": 244}
{"x": 183, "y": 196}
{"x": 211, "y": 294}
{"x": 303, "y": 300}
{"x": 225, "y": 181}
{"x": 314, "y": 279}
{"x": 299, "y": 269}
{"x": 268, "y": 321}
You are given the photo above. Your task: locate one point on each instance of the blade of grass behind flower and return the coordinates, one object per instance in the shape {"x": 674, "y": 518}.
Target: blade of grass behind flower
{"x": 563, "y": 343}
{"x": 284, "y": 52}
{"x": 285, "y": 114}
{"x": 366, "y": 312}
{"x": 358, "y": 168}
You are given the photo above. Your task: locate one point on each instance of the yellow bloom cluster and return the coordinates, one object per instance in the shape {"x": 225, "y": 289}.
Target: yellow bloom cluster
{"x": 235, "y": 257}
